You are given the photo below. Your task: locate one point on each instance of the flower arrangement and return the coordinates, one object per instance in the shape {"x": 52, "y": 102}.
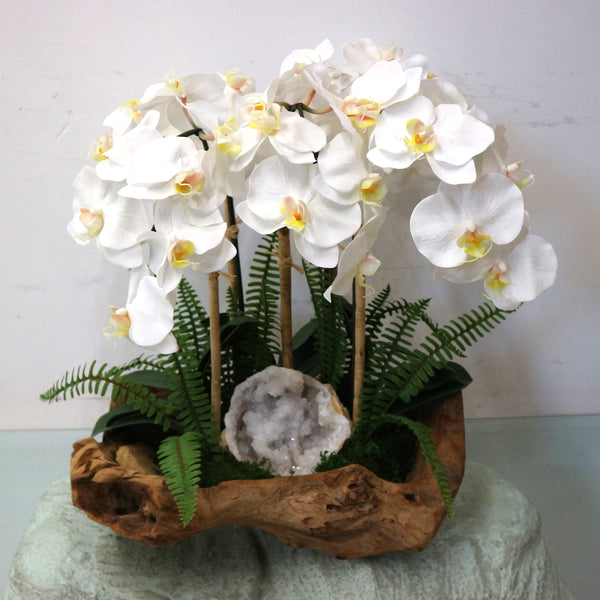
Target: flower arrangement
{"x": 309, "y": 164}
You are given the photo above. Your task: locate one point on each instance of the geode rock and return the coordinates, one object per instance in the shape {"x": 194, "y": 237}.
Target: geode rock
{"x": 286, "y": 419}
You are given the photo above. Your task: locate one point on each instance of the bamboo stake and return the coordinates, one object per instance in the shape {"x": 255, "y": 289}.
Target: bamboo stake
{"x": 359, "y": 347}
{"x": 233, "y": 266}
{"x": 285, "y": 288}
{"x": 215, "y": 347}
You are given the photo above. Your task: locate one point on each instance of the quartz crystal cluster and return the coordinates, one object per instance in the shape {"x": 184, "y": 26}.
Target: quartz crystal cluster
{"x": 285, "y": 418}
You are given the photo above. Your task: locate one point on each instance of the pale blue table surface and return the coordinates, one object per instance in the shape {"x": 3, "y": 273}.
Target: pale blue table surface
{"x": 554, "y": 461}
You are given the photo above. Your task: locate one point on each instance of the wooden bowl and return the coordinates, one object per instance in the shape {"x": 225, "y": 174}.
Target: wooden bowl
{"x": 347, "y": 512}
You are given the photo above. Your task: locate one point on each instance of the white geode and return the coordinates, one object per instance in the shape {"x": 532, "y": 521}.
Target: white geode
{"x": 285, "y": 418}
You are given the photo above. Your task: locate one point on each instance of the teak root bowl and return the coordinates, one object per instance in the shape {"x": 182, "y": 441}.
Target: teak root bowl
{"x": 347, "y": 512}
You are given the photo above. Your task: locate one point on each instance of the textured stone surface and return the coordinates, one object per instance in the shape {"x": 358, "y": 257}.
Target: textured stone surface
{"x": 492, "y": 549}
{"x": 286, "y": 418}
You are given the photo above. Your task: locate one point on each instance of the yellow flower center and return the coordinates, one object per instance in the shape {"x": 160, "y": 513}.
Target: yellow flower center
{"x": 362, "y": 112}
{"x": 236, "y": 81}
{"x": 129, "y": 108}
{"x": 173, "y": 83}
{"x": 259, "y": 116}
{"x": 294, "y": 212}
{"x": 100, "y": 146}
{"x": 181, "y": 252}
{"x": 421, "y": 137}
{"x": 497, "y": 277}
{"x": 372, "y": 190}
{"x": 118, "y": 323}
{"x": 92, "y": 220}
{"x": 224, "y": 138}
{"x": 475, "y": 243}
{"x": 189, "y": 182}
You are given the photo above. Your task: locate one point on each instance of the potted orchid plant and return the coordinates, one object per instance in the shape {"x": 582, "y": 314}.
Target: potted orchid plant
{"x": 309, "y": 164}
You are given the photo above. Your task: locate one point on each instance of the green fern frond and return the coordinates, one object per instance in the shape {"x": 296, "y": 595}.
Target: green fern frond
{"x": 386, "y": 355}
{"x": 233, "y": 309}
{"x": 190, "y": 320}
{"x": 98, "y": 381}
{"x": 179, "y": 459}
{"x": 397, "y": 371}
{"x": 262, "y": 296}
{"x": 425, "y": 439}
{"x": 439, "y": 348}
{"x": 381, "y": 309}
{"x": 332, "y": 341}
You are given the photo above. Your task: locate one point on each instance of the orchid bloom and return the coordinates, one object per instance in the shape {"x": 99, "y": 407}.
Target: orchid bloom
{"x": 147, "y": 318}
{"x": 306, "y": 56}
{"x": 385, "y": 84}
{"x": 356, "y": 260}
{"x": 173, "y": 97}
{"x": 114, "y": 160}
{"x": 178, "y": 243}
{"x": 258, "y": 118}
{"x": 114, "y": 222}
{"x": 345, "y": 176}
{"x": 463, "y": 223}
{"x": 444, "y": 135}
{"x": 494, "y": 160}
{"x": 511, "y": 274}
{"x": 281, "y": 194}
{"x": 173, "y": 167}
{"x": 364, "y": 53}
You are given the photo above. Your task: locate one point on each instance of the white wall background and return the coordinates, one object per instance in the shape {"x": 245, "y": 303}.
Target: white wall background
{"x": 532, "y": 65}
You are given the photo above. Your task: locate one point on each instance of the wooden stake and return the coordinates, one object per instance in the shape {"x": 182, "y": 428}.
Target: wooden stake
{"x": 359, "y": 347}
{"x": 233, "y": 266}
{"x": 285, "y": 288}
{"x": 215, "y": 347}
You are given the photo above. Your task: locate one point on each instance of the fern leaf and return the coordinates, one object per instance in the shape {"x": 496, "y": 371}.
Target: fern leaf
{"x": 262, "y": 298}
{"x": 332, "y": 341}
{"x": 398, "y": 371}
{"x": 439, "y": 348}
{"x": 99, "y": 380}
{"x": 425, "y": 439}
{"x": 179, "y": 459}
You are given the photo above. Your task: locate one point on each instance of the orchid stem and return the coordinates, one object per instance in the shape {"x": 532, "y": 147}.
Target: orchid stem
{"x": 215, "y": 347}
{"x": 359, "y": 347}
{"x": 233, "y": 266}
{"x": 285, "y": 288}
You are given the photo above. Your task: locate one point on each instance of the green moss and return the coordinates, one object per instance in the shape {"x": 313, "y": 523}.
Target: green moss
{"x": 224, "y": 467}
{"x": 390, "y": 454}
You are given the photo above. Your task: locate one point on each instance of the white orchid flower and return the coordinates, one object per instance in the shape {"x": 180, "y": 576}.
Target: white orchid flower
{"x": 385, "y": 84}
{"x": 307, "y": 56}
{"x": 364, "y": 53}
{"x": 114, "y": 160}
{"x": 174, "y": 167}
{"x": 511, "y": 274}
{"x": 345, "y": 176}
{"x": 258, "y": 118}
{"x": 178, "y": 243}
{"x": 356, "y": 260}
{"x": 443, "y": 134}
{"x": 114, "y": 222}
{"x": 494, "y": 160}
{"x": 294, "y": 87}
{"x": 462, "y": 223}
{"x": 281, "y": 194}
{"x": 146, "y": 319}
{"x": 172, "y": 98}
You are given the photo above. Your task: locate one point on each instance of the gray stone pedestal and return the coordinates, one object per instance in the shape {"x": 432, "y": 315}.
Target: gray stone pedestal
{"x": 491, "y": 550}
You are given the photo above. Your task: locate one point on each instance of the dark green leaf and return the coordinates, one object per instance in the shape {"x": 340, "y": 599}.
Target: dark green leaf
{"x": 153, "y": 379}
{"x": 121, "y": 416}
